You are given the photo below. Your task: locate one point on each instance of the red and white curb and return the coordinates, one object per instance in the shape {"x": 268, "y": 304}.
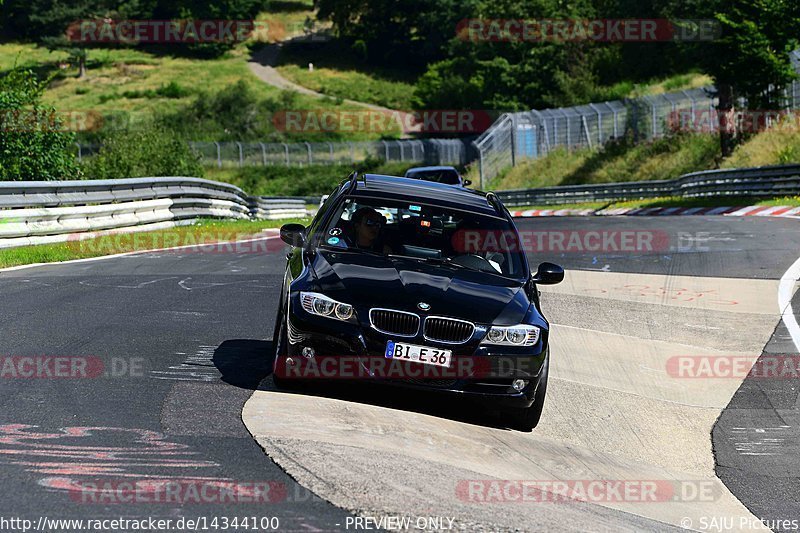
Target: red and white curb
{"x": 753, "y": 210}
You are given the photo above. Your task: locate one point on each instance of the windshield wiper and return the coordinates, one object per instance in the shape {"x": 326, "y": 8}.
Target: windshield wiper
{"x": 351, "y": 249}
{"x": 434, "y": 260}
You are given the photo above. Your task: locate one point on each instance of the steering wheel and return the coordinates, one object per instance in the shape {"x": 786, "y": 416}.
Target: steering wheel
{"x": 474, "y": 261}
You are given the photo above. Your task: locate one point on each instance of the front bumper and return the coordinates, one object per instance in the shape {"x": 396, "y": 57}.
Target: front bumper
{"x": 328, "y": 350}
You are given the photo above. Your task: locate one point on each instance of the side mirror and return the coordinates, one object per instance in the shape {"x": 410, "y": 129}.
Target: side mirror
{"x": 293, "y": 234}
{"x": 548, "y": 274}
{"x": 467, "y": 183}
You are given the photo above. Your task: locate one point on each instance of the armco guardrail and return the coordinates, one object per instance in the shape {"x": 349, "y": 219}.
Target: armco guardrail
{"x": 754, "y": 182}
{"x": 38, "y": 212}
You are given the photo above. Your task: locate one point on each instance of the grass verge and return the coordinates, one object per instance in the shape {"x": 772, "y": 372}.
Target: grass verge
{"x": 340, "y": 74}
{"x": 135, "y": 84}
{"x": 203, "y": 232}
{"x": 622, "y": 160}
{"x": 662, "y": 159}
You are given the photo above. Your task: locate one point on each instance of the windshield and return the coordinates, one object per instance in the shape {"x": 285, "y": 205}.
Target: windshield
{"x": 448, "y": 177}
{"x": 425, "y": 233}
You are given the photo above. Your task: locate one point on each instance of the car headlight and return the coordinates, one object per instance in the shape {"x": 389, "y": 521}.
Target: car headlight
{"x": 519, "y": 335}
{"x": 321, "y": 305}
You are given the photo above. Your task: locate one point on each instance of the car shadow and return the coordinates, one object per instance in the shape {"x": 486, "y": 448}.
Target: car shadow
{"x": 434, "y": 403}
{"x": 243, "y": 363}
{"x": 247, "y": 364}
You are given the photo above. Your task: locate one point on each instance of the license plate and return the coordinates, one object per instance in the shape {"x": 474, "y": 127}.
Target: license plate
{"x": 418, "y": 354}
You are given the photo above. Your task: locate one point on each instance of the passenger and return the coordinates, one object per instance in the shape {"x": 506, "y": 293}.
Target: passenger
{"x": 368, "y": 231}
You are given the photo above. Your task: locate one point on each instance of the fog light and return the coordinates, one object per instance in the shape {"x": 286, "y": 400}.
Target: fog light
{"x": 308, "y": 352}
{"x": 519, "y": 384}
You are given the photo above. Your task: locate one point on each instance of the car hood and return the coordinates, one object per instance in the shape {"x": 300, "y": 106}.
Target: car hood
{"x": 372, "y": 280}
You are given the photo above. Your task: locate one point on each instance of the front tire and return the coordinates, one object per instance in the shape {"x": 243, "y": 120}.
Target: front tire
{"x": 526, "y": 419}
{"x": 281, "y": 349}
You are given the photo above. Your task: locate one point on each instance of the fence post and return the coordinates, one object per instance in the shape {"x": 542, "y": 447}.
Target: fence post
{"x": 614, "y": 114}
{"x": 653, "y": 107}
{"x": 330, "y": 148}
{"x": 286, "y": 153}
{"x": 691, "y": 99}
{"x": 546, "y": 143}
{"x": 480, "y": 166}
{"x": 310, "y": 157}
{"x": 80, "y": 151}
{"x": 385, "y": 150}
{"x": 555, "y": 130}
{"x": 513, "y": 140}
{"x": 599, "y": 124}
{"x": 263, "y": 154}
{"x": 219, "y": 155}
{"x": 241, "y": 155}
{"x": 352, "y": 153}
{"x": 402, "y": 151}
{"x": 586, "y": 131}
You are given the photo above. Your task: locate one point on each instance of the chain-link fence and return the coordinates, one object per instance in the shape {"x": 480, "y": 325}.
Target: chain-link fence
{"x": 241, "y": 154}
{"x": 531, "y": 134}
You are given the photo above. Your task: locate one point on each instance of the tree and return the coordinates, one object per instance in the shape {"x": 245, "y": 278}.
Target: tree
{"x": 407, "y": 32}
{"x": 33, "y": 144}
{"x": 148, "y": 151}
{"x": 751, "y": 57}
{"x": 48, "y": 21}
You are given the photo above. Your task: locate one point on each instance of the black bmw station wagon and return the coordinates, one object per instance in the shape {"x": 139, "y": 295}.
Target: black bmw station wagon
{"x": 419, "y": 284}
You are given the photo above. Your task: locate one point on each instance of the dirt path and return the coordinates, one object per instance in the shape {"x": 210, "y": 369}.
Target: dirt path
{"x": 262, "y": 64}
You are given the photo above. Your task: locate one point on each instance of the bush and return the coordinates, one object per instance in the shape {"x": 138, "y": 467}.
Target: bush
{"x": 171, "y": 90}
{"x": 148, "y": 152}
{"x": 234, "y": 113}
{"x": 33, "y": 143}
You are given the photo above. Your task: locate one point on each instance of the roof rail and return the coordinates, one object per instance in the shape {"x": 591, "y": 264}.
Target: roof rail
{"x": 353, "y": 181}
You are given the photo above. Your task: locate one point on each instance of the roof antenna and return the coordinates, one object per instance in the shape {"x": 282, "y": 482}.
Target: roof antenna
{"x": 494, "y": 201}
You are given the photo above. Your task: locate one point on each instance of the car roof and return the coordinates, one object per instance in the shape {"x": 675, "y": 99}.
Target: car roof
{"x": 408, "y": 189}
{"x": 427, "y": 169}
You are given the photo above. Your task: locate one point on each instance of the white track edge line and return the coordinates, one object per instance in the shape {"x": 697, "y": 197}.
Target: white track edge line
{"x": 785, "y": 294}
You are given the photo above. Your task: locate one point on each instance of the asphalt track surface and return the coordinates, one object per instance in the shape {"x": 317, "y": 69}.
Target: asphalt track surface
{"x": 182, "y": 340}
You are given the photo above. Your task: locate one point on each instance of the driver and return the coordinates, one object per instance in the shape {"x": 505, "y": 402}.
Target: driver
{"x": 367, "y": 226}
